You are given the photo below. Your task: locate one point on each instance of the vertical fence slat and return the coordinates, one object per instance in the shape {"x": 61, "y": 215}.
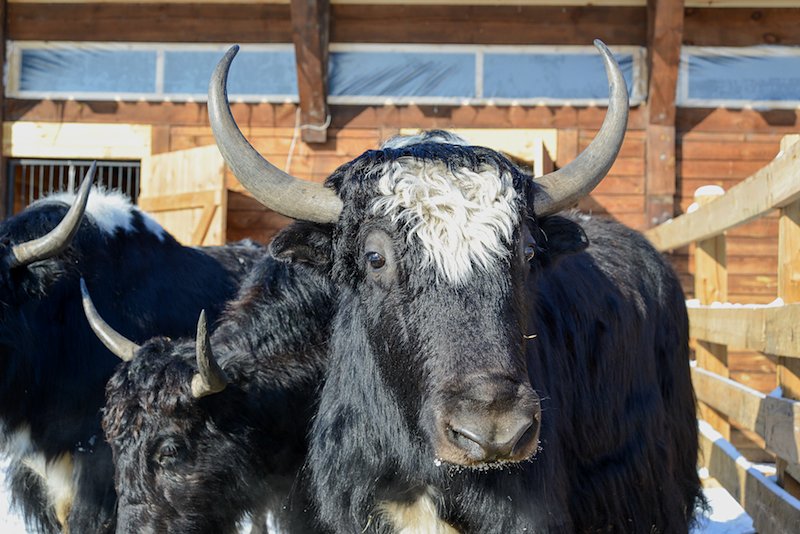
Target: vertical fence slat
{"x": 789, "y": 291}
{"x": 711, "y": 284}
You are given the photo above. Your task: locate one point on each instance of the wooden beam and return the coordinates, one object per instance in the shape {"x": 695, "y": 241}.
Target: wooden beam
{"x": 186, "y": 23}
{"x": 773, "y": 186}
{"x": 711, "y": 284}
{"x": 258, "y": 22}
{"x": 665, "y": 33}
{"x": 181, "y": 201}
{"x": 775, "y": 420}
{"x": 283, "y": 115}
{"x": 774, "y": 330}
{"x": 4, "y": 201}
{"x": 789, "y": 291}
{"x": 22, "y": 139}
{"x": 254, "y": 23}
{"x": 310, "y": 31}
{"x": 772, "y": 509}
{"x": 488, "y": 24}
{"x": 747, "y": 26}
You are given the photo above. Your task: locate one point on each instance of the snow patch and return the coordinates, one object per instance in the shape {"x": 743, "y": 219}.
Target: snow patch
{"x": 709, "y": 191}
{"x": 110, "y": 211}
{"x": 726, "y": 515}
{"x": 695, "y": 303}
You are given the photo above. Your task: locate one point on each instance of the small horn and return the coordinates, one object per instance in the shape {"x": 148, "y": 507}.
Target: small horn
{"x": 210, "y": 377}
{"x": 564, "y": 187}
{"x": 122, "y": 347}
{"x": 59, "y": 238}
{"x": 271, "y": 186}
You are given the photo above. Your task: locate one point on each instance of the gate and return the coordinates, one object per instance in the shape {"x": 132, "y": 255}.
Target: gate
{"x": 31, "y": 179}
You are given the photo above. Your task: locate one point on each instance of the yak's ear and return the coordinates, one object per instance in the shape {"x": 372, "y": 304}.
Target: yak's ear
{"x": 304, "y": 242}
{"x": 562, "y": 236}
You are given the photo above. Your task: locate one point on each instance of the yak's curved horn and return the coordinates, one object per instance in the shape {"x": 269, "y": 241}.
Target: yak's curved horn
{"x": 59, "y": 238}
{"x": 564, "y": 187}
{"x": 210, "y": 377}
{"x": 122, "y": 347}
{"x": 271, "y": 186}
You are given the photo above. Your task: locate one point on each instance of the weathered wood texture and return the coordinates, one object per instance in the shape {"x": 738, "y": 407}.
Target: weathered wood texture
{"x": 185, "y": 191}
{"x": 741, "y": 27}
{"x": 774, "y": 330}
{"x": 789, "y": 291}
{"x": 310, "y": 31}
{"x": 248, "y": 218}
{"x": 771, "y": 508}
{"x": 622, "y": 193}
{"x": 257, "y": 23}
{"x": 283, "y": 115}
{"x": 3, "y": 162}
{"x": 775, "y": 420}
{"x": 711, "y": 284}
{"x": 254, "y": 23}
{"x": 665, "y": 33}
{"x": 241, "y": 23}
{"x": 773, "y": 186}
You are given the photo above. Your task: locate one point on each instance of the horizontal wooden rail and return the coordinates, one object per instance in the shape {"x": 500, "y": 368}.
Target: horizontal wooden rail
{"x": 772, "y": 509}
{"x": 775, "y": 419}
{"x": 774, "y": 330}
{"x": 180, "y": 201}
{"x": 773, "y": 186}
{"x": 208, "y": 200}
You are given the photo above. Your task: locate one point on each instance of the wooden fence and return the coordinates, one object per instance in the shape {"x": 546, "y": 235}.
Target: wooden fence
{"x": 774, "y": 330}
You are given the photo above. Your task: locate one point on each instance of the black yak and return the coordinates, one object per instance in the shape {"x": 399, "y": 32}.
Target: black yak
{"x": 495, "y": 365}
{"x": 54, "y": 369}
{"x": 201, "y": 440}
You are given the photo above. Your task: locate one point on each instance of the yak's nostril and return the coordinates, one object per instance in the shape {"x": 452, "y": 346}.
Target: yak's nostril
{"x": 484, "y": 441}
{"x": 467, "y": 440}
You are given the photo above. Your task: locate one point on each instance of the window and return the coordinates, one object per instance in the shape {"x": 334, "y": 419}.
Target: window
{"x": 760, "y": 77}
{"x": 358, "y": 73}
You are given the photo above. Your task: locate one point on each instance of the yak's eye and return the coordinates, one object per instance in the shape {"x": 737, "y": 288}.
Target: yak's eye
{"x": 168, "y": 452}
{"x": 375, "y": 260}
{"x": 529, "y": 251}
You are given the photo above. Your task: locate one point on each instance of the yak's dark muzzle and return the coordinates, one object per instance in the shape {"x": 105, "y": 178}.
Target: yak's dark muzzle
{"x": 493, "y": 421}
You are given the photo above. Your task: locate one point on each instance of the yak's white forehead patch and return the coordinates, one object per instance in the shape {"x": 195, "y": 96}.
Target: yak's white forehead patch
{"x": 462, "y": 218}
{"x": 110, "y": 211}
{"x": 434, "y": 136}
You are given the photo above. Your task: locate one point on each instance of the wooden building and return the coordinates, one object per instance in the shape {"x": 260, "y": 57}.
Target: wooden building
{"x": 712, "y": 81}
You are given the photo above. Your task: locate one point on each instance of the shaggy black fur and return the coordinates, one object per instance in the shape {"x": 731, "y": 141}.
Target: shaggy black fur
{"x": 186, "y": 465}
{"x": 54, "y": 369}
{"x": 610, "y": 362}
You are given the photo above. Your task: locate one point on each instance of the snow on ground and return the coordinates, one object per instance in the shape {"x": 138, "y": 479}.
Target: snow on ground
{"x": 727, "y": 517}
{"x": 10, "y": 523}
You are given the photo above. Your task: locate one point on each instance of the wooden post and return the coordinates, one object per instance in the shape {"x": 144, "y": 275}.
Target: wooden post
{"x": 789, "y": 291}
{"x": 665, "y": 33}
{"x": 3, "y": 160}
{"x": 310, "y": 32}
{"x": 711, "y": 284}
